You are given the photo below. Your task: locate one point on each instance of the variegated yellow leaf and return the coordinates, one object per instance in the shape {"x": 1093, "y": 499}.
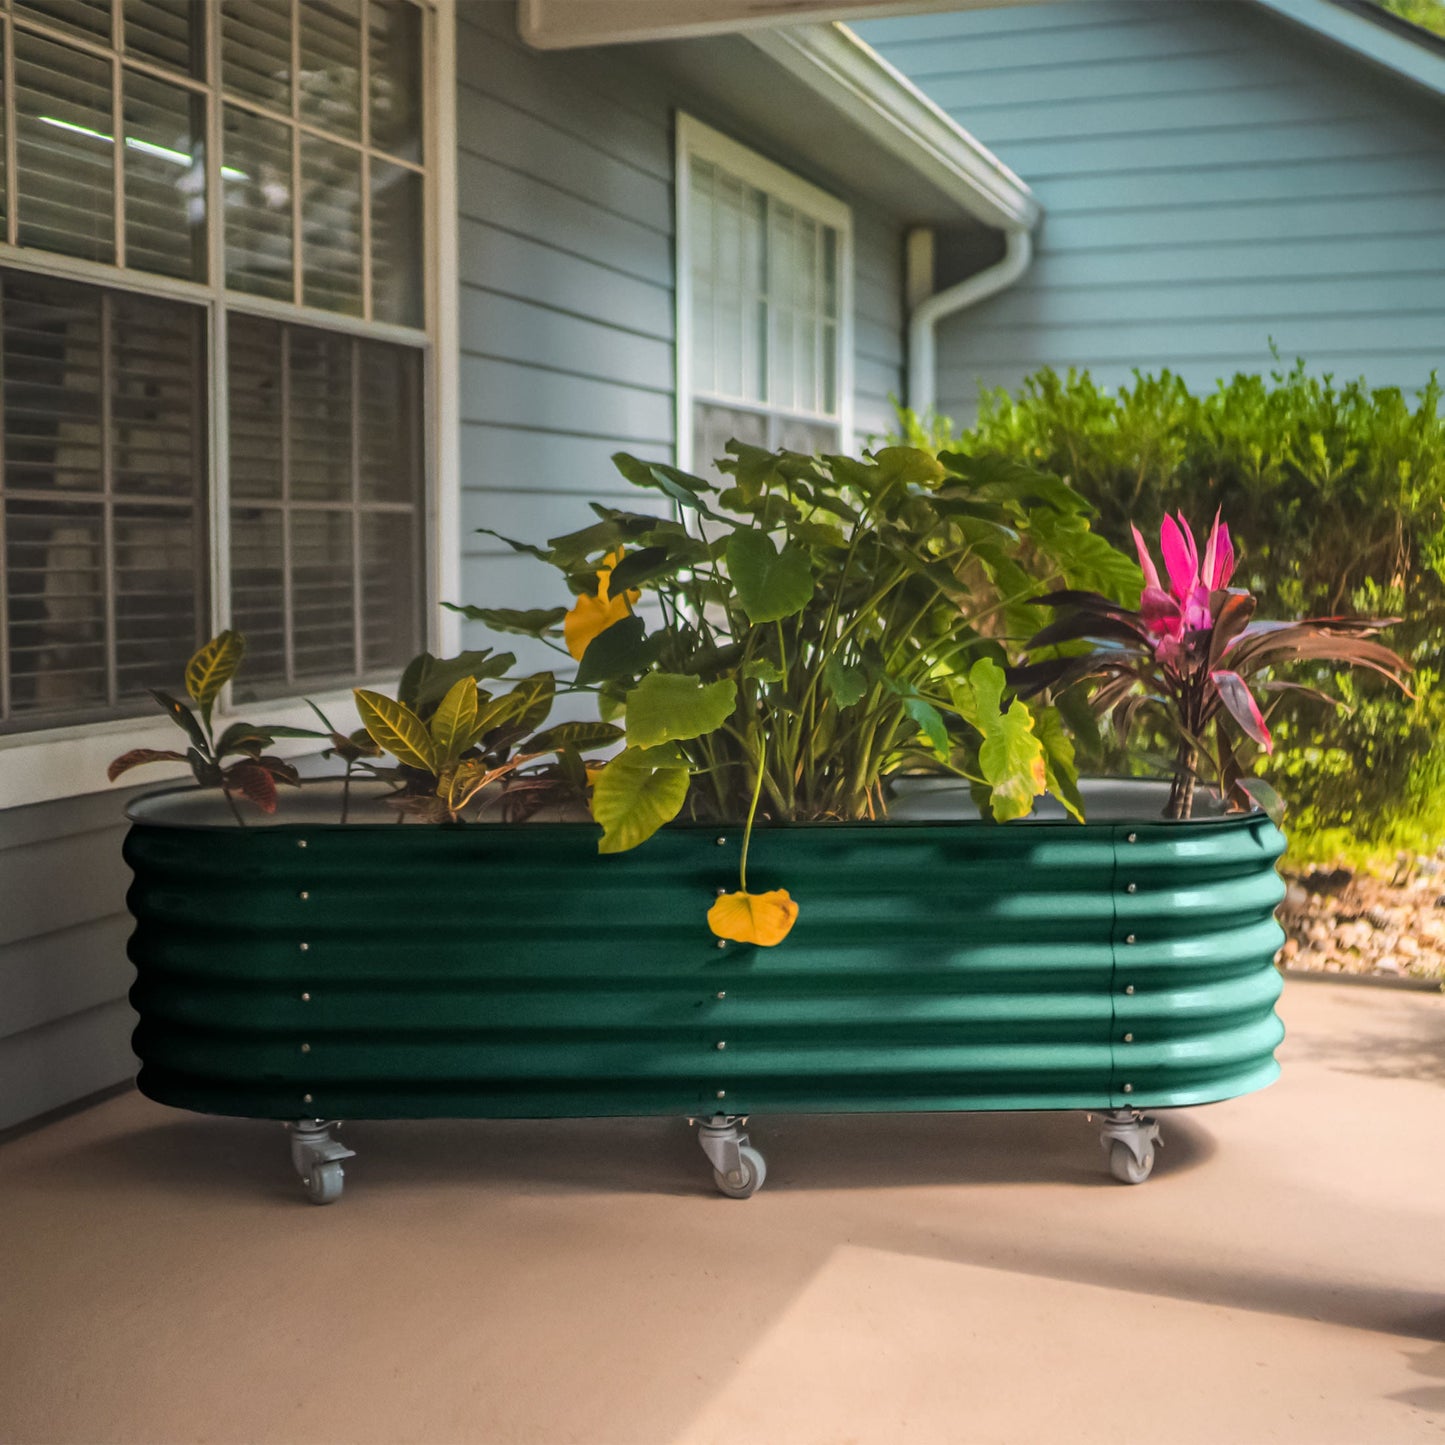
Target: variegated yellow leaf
{"x": 213, "y": 667}
{"x": 396, "y": 728}
{"x": 455, "y": 720}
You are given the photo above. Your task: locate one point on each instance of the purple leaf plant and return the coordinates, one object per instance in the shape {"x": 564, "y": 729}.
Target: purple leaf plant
{"x": 1194, "y": 655}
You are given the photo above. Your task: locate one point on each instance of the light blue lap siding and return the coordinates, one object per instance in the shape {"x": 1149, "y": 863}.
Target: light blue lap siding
{"x": 565, "y": 194}
{"x": 1212, "y": 178}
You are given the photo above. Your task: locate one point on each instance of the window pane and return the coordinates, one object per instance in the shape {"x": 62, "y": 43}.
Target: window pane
{"x": 256, "y": 183}
{"x": 713, "y": 427}
{"x": 52, "y": 385}
{"x": 256, "y": 51}
{"x": 159, "y": 588}
{"x": 330, "y": 81}
{"x": 323, "y": 628}
{"x": 258, "y": 597}
{"x": 165, "y": 178}
{"x": 396, "y": 77}
{"x": 65, "y": 151}
{"x": 168, "y": 32}
{"x": 157, "y": 407}
{"x": 331, "y": 225}
{"x": 253, "y": 347}
{"x": 390, "y": 590}
{"x": 90, "y": 18}
{"x": 396, "y": 248}
{"x": 55, "y": 569}
{"x": 320, "y": 414}
{"x": 390, "y": 422}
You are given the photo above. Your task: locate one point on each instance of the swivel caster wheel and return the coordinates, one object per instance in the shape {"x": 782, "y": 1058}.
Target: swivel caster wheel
{"x": 1125, "y": 1167}
{"x": 744, "y": 1181}
{"x": 323, "y": 1184}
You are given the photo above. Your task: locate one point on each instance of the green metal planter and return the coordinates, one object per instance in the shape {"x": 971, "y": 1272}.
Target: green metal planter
{"x": 305, "y": 971}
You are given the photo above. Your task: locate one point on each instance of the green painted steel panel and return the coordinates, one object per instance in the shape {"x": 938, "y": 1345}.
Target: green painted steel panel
{"x": 372, "y": 971}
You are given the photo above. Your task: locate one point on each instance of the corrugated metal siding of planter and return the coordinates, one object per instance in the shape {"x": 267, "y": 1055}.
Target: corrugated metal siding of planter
{"x": 64, "y": 1021}
{"x": 565, "y": 173}
{"x": 1212, "y": 177}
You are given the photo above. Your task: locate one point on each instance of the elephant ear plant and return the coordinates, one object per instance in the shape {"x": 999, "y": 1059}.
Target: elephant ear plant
{"x": 1194, "y": 655}
{"x": 804, "y": 628}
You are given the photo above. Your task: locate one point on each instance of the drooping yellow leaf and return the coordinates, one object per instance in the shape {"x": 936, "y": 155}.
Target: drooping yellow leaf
{"x": 762, "y": 918}
{"x": 453, "y": 722}
{"x": 396, "y": 728}
{"x": 591, "y": 616}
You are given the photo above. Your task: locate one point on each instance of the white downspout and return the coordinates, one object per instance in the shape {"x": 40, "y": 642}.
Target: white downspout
{"x": 924, "y": 319}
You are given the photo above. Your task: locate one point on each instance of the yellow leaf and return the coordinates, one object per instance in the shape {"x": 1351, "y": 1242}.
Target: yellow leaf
{"x": 213, "y": 667}
{"x": 593, "y": 615}
{"x": 455, "y": 719}
{"x": 765, "y": 918}
{"x": 396, "y": 728}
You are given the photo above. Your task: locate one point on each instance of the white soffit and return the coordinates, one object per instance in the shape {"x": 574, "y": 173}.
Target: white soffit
{"x": 563, "y": 24}
{"x": 854, "y": 79}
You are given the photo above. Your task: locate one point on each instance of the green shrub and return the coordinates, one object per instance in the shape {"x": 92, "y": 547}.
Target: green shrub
{"x": 1335, "y": 495}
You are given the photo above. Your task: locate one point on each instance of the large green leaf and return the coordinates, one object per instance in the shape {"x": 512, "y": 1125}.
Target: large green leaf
{"x": 635, "y": 794}
{"x": 396, "y": 728}
{"x": 212, "y": 668}
{"x": 620, "y": 651}
{"x": 428, "y": 679}
{"x": 930, "y": 721}
{"x": 1011, "y": 757}
{"x": 847, "y": 681}
{"x": 671, "y": 707}
{"x": 529, "y": 622}
{"x": 454, "y": 721}
{"x": 770, "y": 584}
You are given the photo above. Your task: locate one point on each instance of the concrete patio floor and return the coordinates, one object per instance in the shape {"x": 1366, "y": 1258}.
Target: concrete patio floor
{"x": 923, "y": 1279}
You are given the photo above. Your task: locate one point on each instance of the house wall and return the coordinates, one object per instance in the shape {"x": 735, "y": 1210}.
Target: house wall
{"x": 566, "y": 199}
{"x": 565, "y": 241}
{"x": 64, "y": 1021}
{"x": 1212, "y": 177}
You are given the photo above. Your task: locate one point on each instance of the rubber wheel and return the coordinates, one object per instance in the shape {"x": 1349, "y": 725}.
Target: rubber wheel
{"x": 754, "y": 1171}
{"x": 323, "y": 1183}
{"x": 1125, "y": 1167}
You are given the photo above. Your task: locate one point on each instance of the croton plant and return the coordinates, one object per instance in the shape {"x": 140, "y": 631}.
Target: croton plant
{"x": 778, "y": 642}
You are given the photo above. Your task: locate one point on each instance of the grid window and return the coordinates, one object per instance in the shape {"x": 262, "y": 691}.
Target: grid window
{"x": 102, "y": 509}
{"x": 326, "y": 504}
{"x": 765, "y": 259}
{"x": 272, "y": 281}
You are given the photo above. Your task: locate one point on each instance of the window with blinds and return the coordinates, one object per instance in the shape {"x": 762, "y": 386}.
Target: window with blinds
{"x": 311, "y": 206}
{"x": 765, "y": 258}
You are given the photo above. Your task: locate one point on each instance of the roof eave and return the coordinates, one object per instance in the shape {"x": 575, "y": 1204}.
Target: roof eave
{"x": 840, "y": 68}
{"x": 1345, "y": 25}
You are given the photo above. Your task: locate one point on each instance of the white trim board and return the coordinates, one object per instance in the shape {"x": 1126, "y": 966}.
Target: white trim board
{"x": 693, "y": 138}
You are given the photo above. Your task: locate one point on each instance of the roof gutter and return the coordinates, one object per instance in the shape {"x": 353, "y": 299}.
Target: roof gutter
{"x": 924, "y": 318}
{"x": 838, "y": 67}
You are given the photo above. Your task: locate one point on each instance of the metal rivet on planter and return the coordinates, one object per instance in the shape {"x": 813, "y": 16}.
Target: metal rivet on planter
{"x": 303, "y": 895}
{"x": 721, "y": 841}
{"x": 721, "y": 891}
{"x": 722, "y": 1093}
{"x": 1132, "y": 838}
{"x": 722, "y": 993}
{"x": 304, "y": 947}
{"x": 301, "y": 843}
{"x": 1129, "y": 938}
{"x": 305, "y": 998}
{"x": 1128, "y": 988}
{"x": 722, "y": 1044}
{"x": 1131, "y": 888}
{"x": 305, "y": 1048}
{"x": 1128, "y": 1038}
{"x": 1128, "y": 1088}
{"x": 722, "y": 943}
{"x": 306, "y": 1098}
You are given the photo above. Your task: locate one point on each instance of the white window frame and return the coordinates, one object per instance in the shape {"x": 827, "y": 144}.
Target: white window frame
{"x": 693, "y": 139}
{"x": 70, "y": 761}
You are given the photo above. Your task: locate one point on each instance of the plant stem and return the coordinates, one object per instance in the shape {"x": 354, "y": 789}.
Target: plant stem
{"x": 231, "y": 804}
{"x": 752, "y": 813}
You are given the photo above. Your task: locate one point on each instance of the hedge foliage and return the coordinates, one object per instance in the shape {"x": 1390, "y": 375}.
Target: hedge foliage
{"x": 1335, "y": 495}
